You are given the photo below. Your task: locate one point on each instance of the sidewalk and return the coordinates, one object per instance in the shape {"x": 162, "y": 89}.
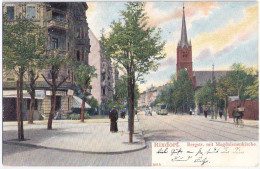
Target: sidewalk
{"x": 248, "y": 123}
{"x": 93, "y": 136}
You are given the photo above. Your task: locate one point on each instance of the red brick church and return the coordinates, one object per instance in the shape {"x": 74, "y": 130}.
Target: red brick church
{"x": 184, "y": 60}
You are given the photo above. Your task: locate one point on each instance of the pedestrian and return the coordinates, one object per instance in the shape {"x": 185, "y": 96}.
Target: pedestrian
{"x": 122, "y": 114}
{"x": 235, "y": 114}
{"x": 150, "y": 111}
{"x": 113, "y": 116}
{"x": 205, "y": 112}
{"x": 220, "y": 113}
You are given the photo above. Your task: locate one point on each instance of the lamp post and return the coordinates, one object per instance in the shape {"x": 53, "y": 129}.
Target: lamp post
{"x": 213, "y": 93}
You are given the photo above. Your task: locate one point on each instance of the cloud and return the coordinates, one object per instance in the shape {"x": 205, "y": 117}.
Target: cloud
{"x": 223, "y": 40}
{"x": 158, "y": 16}
{"x": 204, "y": 53}
{"x": 91, "y": 7}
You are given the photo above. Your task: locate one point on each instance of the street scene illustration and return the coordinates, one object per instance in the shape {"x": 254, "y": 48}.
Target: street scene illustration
{"x": 96, "y": 83}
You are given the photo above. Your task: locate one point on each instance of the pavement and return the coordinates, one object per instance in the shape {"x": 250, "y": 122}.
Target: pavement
{"x": 169, "y": 127}
{"x": 92, "y": 136}
{"x": 248, "y": 123}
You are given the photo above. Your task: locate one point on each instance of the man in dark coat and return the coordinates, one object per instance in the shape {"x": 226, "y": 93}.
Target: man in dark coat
{"x": 206, "y": 112}
{"x": 113, "y": 116}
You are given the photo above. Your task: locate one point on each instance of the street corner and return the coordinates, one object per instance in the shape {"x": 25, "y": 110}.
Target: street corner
{"x": 93, "y": 138}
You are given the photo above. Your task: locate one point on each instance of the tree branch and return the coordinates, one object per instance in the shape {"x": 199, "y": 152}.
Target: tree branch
{"x": 46, "y": 80}
{"x": 62, "y": 81}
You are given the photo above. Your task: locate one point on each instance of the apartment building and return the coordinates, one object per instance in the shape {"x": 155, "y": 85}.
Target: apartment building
{"x": 67, "y": 29}
{"x": 103, "y": 85}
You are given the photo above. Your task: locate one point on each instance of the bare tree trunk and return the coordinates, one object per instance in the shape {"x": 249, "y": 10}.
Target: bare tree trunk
{"x": 18, "y": 110}
{"x": 226, "y": 108}
{"x": 21, "y": 102}
{"x": 133, "y": 102}
{"x": 130, "y": 110}
{"x": 32, "y": 104}
{"x": 82, "y": 108}
{"x": 53, "y": 105}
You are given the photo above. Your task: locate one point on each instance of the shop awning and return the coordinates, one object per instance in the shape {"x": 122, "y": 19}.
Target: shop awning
{"x": 39, "y": 94}
{"x": 77, "y": 103}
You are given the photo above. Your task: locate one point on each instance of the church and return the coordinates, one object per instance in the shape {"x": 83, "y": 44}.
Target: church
{"x": 184, "y": 60}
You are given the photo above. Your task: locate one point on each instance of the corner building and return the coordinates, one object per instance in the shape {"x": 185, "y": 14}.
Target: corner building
{"x": 67, "y": 29}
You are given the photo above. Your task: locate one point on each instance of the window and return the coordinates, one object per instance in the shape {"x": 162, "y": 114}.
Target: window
{"x": 68, "y": 74}
{"x": 10, "y": 79}
{"x": 78, "y": 56}
{"x": 82, "y": 53}
{"x": 31, "y": 12}
{"x": 54, "y": 43}
{"x": 104, "y": 91}
{"x": 10, "y": 12}
{"x": 68, "y": 46}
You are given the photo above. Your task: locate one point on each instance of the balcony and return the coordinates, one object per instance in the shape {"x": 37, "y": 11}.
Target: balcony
{"x": 61, "y": 52}
{"x": 58, "y": 24}
{"x": 83, "y": 41}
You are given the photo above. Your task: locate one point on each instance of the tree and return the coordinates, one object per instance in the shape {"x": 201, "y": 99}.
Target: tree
{"x": 92, "y": 102}
{"x": 241, "y": 77}
{"x": 23, "y": 45}
{"x": 120, "y": 96}
{"x": 252, "y": 91}
{"x": 135, "y": 46}
{"x": 55, "y": 60}
{"x": 179, "y": 94}
{"x": 35, "y": 68}
{"x": 84, "y": 74}
{"x": 224, "y": 89}
{"x": 203, "y": 95}
{"x": 184, "y": 92}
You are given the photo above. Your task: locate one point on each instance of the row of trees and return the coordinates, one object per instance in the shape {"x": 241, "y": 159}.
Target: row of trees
{"x": 179, "y": 94}
{"x": 240, "y": 81}
{"x": 25, "y": 51}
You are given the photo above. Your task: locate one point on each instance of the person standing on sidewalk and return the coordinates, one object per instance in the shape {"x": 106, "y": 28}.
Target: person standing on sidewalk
{"x": 220, "y": 113}
{"x": 113, "y": 116}
{"x": 206, "y": 112}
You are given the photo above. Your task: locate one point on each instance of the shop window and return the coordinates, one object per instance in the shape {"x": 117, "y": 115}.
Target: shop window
{"x": 58, "y": 103}
{"x": 35, "y": 104}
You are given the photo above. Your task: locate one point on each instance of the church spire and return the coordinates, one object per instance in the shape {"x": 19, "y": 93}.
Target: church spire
{"x": 184, "y": 39}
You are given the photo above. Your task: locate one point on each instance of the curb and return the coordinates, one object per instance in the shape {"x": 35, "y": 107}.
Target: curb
{"x": 74, "y": 151}
{"x": 232, "y": 123}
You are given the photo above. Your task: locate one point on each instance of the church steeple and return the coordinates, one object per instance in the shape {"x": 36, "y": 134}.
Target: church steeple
{"x": 184, "y": 38}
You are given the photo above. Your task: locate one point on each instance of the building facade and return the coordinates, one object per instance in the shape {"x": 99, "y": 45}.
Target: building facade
{"x": 66, "y": 29}
{"x": 103, "y": 84}
{"x": 149, "y": 96}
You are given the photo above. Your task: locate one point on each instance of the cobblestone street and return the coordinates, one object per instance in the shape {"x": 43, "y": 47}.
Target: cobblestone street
{"x": 155, "y": 128}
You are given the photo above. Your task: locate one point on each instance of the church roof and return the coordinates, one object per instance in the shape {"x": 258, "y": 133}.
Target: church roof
{"x": 184, "y": 37}
{"x": 202, "y": 77}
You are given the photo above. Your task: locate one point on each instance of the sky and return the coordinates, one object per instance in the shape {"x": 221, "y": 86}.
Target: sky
{"x": 222, "y": 33}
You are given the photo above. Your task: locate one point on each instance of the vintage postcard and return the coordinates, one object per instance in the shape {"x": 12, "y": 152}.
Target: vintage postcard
{"x": 121, "y": 83}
